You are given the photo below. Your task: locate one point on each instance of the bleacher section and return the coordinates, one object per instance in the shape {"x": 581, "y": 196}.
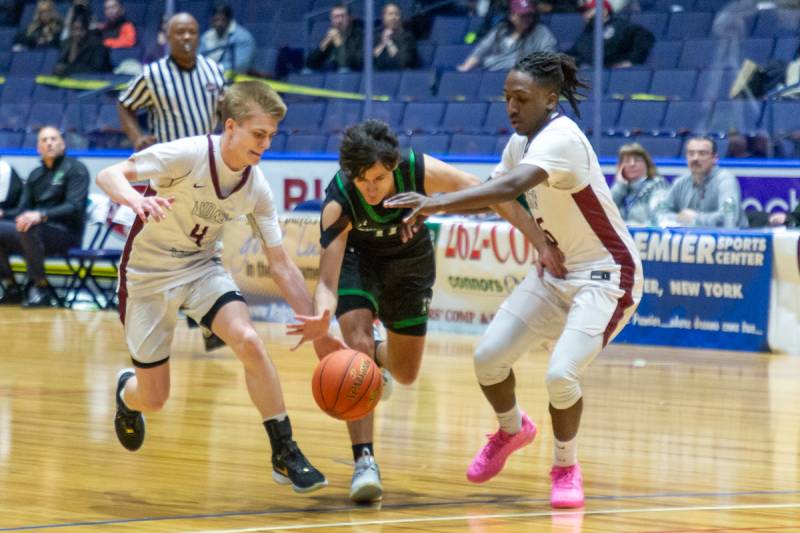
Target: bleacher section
{"x": 682, "y": 88}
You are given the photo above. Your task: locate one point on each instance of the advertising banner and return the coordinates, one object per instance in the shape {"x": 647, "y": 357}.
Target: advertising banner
{"x": 705, "y": 289}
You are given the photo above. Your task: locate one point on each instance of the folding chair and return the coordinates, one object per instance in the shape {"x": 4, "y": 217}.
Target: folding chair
{"x": 84, "y": 262}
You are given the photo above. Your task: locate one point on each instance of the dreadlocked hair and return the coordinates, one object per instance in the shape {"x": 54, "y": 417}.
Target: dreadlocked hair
{"x": 558, "y": 70}
{"x": 365, "y": 144}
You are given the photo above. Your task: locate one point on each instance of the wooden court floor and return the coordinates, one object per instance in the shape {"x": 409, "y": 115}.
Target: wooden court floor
{"x": 672, "y": 441}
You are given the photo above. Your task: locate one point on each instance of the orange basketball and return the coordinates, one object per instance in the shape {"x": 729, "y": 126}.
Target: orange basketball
{"x": 347, "y": 384}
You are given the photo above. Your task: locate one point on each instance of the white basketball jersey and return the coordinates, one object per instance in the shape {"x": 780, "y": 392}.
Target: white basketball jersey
{"x": 207, "y": 194}
{"x": 574, "y": 203}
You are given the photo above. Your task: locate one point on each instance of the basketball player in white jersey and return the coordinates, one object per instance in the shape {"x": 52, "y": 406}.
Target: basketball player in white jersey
{"x": 171, "y": 261}
{"x": 551, "y": 161}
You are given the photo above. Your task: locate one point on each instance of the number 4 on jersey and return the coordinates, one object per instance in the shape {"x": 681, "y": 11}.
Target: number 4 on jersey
{"x": 197, "y": 234}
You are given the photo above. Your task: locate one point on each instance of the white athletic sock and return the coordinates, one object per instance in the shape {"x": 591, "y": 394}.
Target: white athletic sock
{"x": 511, "y": 421}
{"x": 280, "y": 417}
{"x": 565, "y": 453}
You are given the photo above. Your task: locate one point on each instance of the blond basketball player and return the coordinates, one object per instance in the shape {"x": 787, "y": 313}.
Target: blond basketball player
{"x": 171, "y": 261}
{"x": 551, "y": 161}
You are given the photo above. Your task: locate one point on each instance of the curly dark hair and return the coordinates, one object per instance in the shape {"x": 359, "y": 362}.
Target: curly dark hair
{"x": 558, "y": 70}
{"x": 365, "y": 144}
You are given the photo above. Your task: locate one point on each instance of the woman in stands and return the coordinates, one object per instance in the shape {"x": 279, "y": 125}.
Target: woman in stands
{"x": 371, "y": 267}
{"x": 44, "y": 29}
{"x": 638, "y": 188}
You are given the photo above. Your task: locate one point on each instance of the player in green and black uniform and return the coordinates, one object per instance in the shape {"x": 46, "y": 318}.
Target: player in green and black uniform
{"x": 372, "y": 265}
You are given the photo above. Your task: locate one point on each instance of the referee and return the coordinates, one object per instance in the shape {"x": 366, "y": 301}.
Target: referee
{"x": 180, "y": 91}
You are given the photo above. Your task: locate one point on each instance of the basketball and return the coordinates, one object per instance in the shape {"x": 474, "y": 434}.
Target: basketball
{"x": 347, "y": 384}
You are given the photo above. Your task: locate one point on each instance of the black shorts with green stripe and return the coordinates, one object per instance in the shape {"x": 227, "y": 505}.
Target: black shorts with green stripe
{"x": 397, "y": 290}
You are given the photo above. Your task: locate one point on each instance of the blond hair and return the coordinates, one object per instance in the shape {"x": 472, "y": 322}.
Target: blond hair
{"x": 636, "y": 149}
{"x": 242, "y": 99}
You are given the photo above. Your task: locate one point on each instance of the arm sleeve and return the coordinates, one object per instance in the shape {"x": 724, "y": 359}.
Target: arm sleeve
{"x": 77, "y": 188}
{"x": 264, "y": 218}
{"x": 137, "y": 95}
{"x": 484, "y": 45}
{"x": 558, "y": 153}
{"x": 164, "y": 163}
{"x": 125, "y": 39}
{"x": 730, "y": 197}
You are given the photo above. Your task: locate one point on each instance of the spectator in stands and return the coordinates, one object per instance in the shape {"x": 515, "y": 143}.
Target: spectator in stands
{"x": 342, "y": 48}
{"x": 10, "y": 12}
{"x": 82, "y": 8}
{"x": 83, "y": 52}
{"x": 638, "y": 189}
{"x": 185, "y": 108}
{"x": 624, "y": 43}
{"x": 44, "y": 29}
{"x": 227, "y": 42}
{"x": 759, "y": 219}
{"x": 395, "y": 48}
{"x": 49, "y": 219}
{"x": 706, "y": 196}
{"x": 756, "y": 81}
{"x": 511, "y": 40}
{"x": 10, "y": 187}
{"x": 117, "y": 30}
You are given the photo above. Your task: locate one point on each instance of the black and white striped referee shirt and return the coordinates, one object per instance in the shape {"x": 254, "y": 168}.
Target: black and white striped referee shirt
{"x": 180, "y": 103}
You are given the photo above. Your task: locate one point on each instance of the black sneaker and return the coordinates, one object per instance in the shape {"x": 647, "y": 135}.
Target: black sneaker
{"x": 211, "y": 341}
{"x": 11, "y": 295}
{"x": 289, "y": 465}
{"x": 129, "y": 424}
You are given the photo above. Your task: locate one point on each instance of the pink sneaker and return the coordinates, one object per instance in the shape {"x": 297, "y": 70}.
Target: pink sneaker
{"x": 567, "y": 489}
{"x": 490, "y": 460}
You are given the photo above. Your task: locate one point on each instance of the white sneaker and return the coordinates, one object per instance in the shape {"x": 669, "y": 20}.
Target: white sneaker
{"x": 388, "y": 384}
{"x": 366, "y": 485}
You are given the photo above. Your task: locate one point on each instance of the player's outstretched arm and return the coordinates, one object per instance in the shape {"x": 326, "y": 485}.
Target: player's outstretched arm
{"x": 115, "y": 182}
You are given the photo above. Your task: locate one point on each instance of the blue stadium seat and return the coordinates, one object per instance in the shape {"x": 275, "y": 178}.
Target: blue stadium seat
{"x": 654, "y": 21}
{"x": 671, "y": 5}
{"x": 665, "y": 54}
{"x": 107, "y": 119}
{"x": 455, "y": 85}
{"x": 7, "y": 37}
{"x": 697, "y": 53}
{"x": 712, "y": 6}
{"x": 497, "y": 119}
{"x": 265, "y": 61}
{"x": 309, "y": 80}
{"x": 628, "y": 81}
{"x": 713, "y": 84}
{"x": 685, "y": 25}
{"x": 758, "y": 49}
{"x": 450, "y": 55}
{"x": 674, "y": 83}
{"x": 743, "y": 116}
{"x": 340, "y": 114}
{"x": 11, "y": 139}
{"x": 45, "y": 114}
{"x": 306, "y": 144}
{"x": 304, "y": 117}
{"x": 76, "y": 141}
{"x": 264, "y": 34}
{"x": 201, "y": 9}
{"x": 776, "y": 23}
{"x": 118, "y": 55}
{"x": 425, "y": 52}
{"x": 5, "y": 61}
{"x": 389, "y": 112}
{"x": 287, "y": 34}
{"x": 30, "y": 140}
{"x": 278, "y": 143}
{"x": 78, "y": 116}
{"x": 566, "y": 26}
{"x": 786, "y": 48}
{"x": 49, "y": 61}
{"x": 343, "y": 81}
{"x": 14, "y": 116}
{"x": 645, "y": 116}
{"x": 265, "y": 10}
{"x": 491, "y": 87}
{"x": 416, "y": 85}
{"x": 682, "y": 117}
{"x": 464, "y": 116}
{"x": 430, "y": 144}
{"x": 608, "y": 114}
{"x": 784, "y": 116}
{"x": 384, "y": 83}
{"x": 26, "y": 63}
{"x": 48, "y": 93}
{"x": 465, "y": 144}
{"x": 17, "y": 89}
{"x": 448, "y": 30}
{"x": 423, "y": 116}
{"x": 662, "y": 146}
{"x": 609, "y": 146}
{"x": 333, "y": 144}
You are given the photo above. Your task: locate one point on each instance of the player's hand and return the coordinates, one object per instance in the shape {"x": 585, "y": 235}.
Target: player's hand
{"x": 407, "y": 231}
{"x": 418, "y": 203}
{"x": 151, "y": 206}
{"x": 328, "y": 344}
{"x": 143, "y": 142}
{"x": 551, "y": 258}
{"x": 310, "y": 328}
